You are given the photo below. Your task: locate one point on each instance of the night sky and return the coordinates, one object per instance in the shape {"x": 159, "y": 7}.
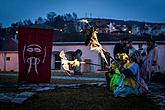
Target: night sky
{"x": 140, "y": 10}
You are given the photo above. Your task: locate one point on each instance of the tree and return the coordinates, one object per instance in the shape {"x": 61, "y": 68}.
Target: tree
{"x": 59, "y": 22}
{"x": 70, "y": 27}
{"x": 51, "y": 16}
{"x": 14, "y": 25}
{"x": 27, "y": 22}
{"x": 74, "y": 15}
{"x": 20, "y": 23}
{"x": 68, "y": 17}
{"x": 40, "y": 20}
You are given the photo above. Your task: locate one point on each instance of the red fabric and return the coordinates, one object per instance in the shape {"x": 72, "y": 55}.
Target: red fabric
{"x": 35, "y": 49}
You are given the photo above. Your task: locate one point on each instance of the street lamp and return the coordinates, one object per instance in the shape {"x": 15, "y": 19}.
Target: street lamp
{"x": 129, "y": 32}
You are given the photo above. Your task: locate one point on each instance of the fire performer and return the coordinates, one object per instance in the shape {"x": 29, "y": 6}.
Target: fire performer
{"x": 64, "y": 62}
{"x": 74, "y": 63}
{"x": 92, "y": 40}
{"x": 77, "y": 55}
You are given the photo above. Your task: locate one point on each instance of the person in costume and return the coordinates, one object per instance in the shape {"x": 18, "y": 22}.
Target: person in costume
{"x": 151, "y": 52}
{"x": 123, "y": 78}
{"x": 77, "y": 55}
{"x": 131, "y": 51}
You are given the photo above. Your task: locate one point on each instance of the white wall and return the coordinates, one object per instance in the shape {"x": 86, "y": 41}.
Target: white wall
{"x": 87, "y": 54}
{"x": 95, "y": 58}
{"x": 1, "y": 61}
{"x": 12, "y": 64}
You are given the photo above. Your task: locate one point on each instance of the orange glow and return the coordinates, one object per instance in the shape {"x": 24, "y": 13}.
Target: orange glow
{"x": 75, "y": 62}
{"x": 84, "y": 21}
{"x": 95, "y": 45}
{"x": 65, "y": 62}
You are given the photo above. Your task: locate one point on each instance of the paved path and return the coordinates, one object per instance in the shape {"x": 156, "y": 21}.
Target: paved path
{"x": 8, "y": 74}
{"x": 78, "y": 78}
{"x": 65, "y": 77}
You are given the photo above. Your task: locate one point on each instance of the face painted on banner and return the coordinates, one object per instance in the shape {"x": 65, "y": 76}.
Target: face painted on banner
{"x": 34, "y": 55}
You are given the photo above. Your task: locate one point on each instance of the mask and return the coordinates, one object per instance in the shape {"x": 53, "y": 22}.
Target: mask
{"x": 33, "y": 56}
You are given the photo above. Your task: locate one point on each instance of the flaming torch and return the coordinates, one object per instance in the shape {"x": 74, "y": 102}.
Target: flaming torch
{"x": 64, "y": 62}
{"x": 92, "y": 40}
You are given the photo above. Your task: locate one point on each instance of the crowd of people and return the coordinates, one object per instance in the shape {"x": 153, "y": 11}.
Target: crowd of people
{"x": 132, "y": 68}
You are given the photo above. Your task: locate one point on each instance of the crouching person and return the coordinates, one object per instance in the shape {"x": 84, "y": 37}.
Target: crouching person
{"x": 123, "y": 78}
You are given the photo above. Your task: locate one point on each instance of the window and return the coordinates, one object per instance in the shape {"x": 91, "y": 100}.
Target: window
{"x": 7, "y": 58}
{"x": 57, "y": 61}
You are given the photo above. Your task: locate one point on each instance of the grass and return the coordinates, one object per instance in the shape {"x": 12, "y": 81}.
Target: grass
{"x": 81, "y": 99}
{"x": 74, "y": 99}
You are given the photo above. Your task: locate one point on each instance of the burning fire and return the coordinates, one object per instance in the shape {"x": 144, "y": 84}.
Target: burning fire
{"x": 84, "y": 21}
{"x": 65, "y": 62}
{"x": 95, "y": 45}
{"x": 75, "y": 62}
{"x": 62, "y": 55}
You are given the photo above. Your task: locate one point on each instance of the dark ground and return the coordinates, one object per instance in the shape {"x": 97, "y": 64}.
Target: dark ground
{"x": 75, "y": 99}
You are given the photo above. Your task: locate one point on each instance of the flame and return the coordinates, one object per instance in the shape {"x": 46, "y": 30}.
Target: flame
{"x": 84, "y": 21}
{"x": 62, "y": 55}
{"x": 75, "y": 63}
{"x": 65, "y": 62}
{"x": 81, "y": 30}
{"x": 95, "y": 45}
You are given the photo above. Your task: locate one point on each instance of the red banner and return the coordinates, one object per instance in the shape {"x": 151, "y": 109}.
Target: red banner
{"x": 35, "y": 49}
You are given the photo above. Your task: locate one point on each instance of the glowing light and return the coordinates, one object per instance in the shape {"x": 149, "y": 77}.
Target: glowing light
{"x": 81, "y": 30}
{"x": 75, "y": 62}
{"x": 84, "y": 21}
{"x": 62, "y": 55}
{"x": 124, "y": 29}
{"x": 95, "y": 45}
{"x": 65, "y": 62}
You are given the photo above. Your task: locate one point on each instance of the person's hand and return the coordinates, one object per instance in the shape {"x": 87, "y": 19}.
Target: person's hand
{"x": 108, "y": 67}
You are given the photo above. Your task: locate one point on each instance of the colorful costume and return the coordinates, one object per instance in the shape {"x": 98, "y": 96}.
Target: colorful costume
{"x": 122, "y": 79}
